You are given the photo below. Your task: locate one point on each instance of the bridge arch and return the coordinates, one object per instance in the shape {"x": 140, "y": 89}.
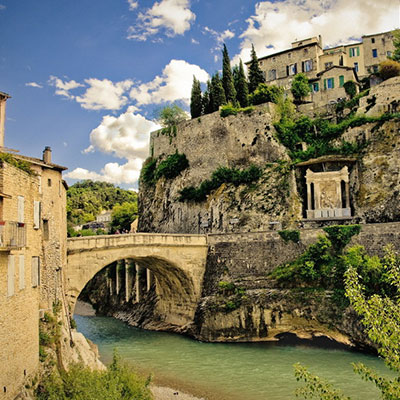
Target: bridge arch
{"x": 176, "y": 261}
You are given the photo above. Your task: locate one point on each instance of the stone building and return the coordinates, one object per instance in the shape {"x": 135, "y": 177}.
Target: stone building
{"x": 309, "y": 57}
{"x": 32, "y": 257}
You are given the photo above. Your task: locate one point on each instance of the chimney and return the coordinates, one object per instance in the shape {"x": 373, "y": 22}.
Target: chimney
{"x": 3, "y": 99}
{"x": 47, "y": 155}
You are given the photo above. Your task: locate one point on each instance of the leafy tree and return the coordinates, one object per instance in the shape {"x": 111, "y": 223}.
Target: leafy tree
{"x": 170, "y": 116}
{"x": 217, "y": 93}
{"x": 227, "y": 78}
{"x": 122, "y": 216}
{"x": 265, "y": 94}
{"x": 389, "y": 69}
{"x": 380, "y": 315}
{"x": 241, "y": 85}
{"x": 350, "y": 88}
{"x": 300, "y": 87}
{"x": 255, "y": 74}
{"x": 396, "y": 41}
{"x": 195, "y": 99}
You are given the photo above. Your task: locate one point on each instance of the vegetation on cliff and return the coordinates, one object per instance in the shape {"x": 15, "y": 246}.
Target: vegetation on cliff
{"x": 87, "y": 199}
{"x": 380, "y": 314}
{"x": 20, "y": 164}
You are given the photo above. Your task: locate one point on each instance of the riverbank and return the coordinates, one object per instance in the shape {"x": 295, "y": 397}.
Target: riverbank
{"x": 159, "y": 392}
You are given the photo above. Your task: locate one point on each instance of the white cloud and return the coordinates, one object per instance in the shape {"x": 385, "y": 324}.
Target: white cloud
{"x": 2, "y": 7}
{"x": 276, "y": 24}
{"x": 132, "y": 4}
{"x": 112, "y": 172}
{"x": 174, "y": 84}
{"x": 220, "y": 37}
{"x": 104, "y": 94}
{"x": 126, "y": 136}
{"x": 34, "y": 84}
{"x": 63, "y": 88}
{"x": 174, "y": 16}
{"x": 194, "y": 41}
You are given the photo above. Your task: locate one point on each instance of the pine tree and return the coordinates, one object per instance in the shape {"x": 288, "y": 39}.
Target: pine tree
{"x": 227, "y": 79}
{"x": 195, "y": 99}
{"x": 217, "y": 93}
{"x": 241, "y": 86}
{"x": 255, "y": 74}
{"x": 206, "y": 99}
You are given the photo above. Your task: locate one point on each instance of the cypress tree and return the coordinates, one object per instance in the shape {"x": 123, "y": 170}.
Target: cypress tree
{"x": 255, "y": 74}
{"x": 217, "y": 93}
{"x": 206, "y": 99}
{"x": 227, "y": 79}
{"x": 241, "y": 86}
{"x": 195, "y": 99}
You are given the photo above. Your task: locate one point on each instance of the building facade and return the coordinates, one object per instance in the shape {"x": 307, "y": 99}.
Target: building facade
{"x": 357, "y": 60}
{"x": 32, "y": 257}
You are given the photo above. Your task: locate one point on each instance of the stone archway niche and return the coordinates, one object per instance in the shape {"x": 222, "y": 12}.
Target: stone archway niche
{"x": 330, "y": 197}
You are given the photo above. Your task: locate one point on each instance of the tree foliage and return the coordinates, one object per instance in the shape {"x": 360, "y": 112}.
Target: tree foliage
{"x": 87, "y": 199}
{"x": 389, "y": 69}
{"x": 227, "y": 78}
{"x": 265, "y": 94}
{"x": 122, "y": 216}
{"x": 300, "y": 87}
{"x": 170, "y": 116}
{"x": 217, "y": 93}
{"x": 255, "y": 74}
{"x": 350, "y": 88}
{"x": 241, "y": 85}
{"x": 196, "y": 105}
{"x": 396, "y": 41}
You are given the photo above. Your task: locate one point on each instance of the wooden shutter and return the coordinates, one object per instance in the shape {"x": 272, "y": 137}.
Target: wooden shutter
{"x": 35, "y": 271}
{"x": 21, "y": 271}
{"x": 325, "y": 84}
{"x": 11, "y": 275}
{"x": 36, "y": 214}
{"x": 358, "y": 51}
{"x": 341, "y": 80}
{"x": 21, "y": 205}
{"x": 333, "y": 83}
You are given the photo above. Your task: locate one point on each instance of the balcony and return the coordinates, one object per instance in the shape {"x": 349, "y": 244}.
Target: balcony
{"x": 12, "y": 235}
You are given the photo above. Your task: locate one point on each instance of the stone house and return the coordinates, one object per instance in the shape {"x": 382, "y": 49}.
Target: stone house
{"x": 308, "y": 57}
{"x": 32, "y": 257}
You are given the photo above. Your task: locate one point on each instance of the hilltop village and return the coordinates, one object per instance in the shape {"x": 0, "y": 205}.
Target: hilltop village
{"x": 239, "y": 197}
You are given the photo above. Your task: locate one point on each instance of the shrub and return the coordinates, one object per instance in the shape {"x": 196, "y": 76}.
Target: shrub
{"x": 228, "y": 109}
{"x": 300, "y": 87}
{"x": 350, "y": 88}
{"x": 148, "y": 170}
{"x": 389, "y": 69}
{"x": 340, "y": 235}
{"x": 172, "y": 166}
{"x": 20, "y": 164}
{"x": 265, "y": 94}
{"x": 290, "y": 235}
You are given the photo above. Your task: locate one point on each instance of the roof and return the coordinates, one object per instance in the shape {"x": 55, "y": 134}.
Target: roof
{"x": 286, "y": 51}
{"x": 377, "y": 34}
{"x": 329, "y": 158}
{"x": 340, "y": 67}
{"x": 2, "y": 94}
{"x": 38, "y": 161}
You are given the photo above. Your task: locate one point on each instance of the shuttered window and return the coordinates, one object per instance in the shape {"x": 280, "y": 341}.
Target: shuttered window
{"x": 35, "y": 271}
{"x": 341, "y": 80}
{"x": 21, "y": 205}
{"x": 36, "y": 214}
{"x": 21, "y": 263}
{"x": 11, "y": 276}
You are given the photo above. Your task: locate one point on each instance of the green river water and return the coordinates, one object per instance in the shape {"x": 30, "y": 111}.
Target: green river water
{"x": 220, "y": 371}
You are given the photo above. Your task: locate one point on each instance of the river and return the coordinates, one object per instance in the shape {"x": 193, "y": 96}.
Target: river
{"x": 221, "y": 371}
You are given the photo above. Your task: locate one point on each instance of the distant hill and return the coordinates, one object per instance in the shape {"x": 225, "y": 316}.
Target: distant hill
{"x": 87, "y": 199}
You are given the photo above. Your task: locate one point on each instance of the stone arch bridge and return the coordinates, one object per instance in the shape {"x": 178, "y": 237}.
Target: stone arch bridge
{"x": 174, "y": 262}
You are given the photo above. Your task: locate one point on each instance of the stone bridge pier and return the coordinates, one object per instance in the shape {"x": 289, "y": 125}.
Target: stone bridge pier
{"x": 173, "y": 263}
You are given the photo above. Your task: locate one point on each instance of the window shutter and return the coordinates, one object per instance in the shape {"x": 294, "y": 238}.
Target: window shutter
{"x": 36, "y": 214}
{"x": 21, "y": 272}
{"x": 358, "y": 51}
{"x": 302, "y": 66}
{"x": 324, "y": 84}
{"x": 21, "y": 203}
{"x": 333, "y": 83}
{"x": 350, "y": 53}
{"x": 316, "y": 86}
{"x": 35, "y": 271}
{"x": 341, "y": 80}
{"x": 10, "y": 275}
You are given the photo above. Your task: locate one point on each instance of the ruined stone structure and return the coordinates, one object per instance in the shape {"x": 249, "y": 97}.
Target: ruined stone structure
{"x": 176, "y": 264}
{"x": 327, "y": 69}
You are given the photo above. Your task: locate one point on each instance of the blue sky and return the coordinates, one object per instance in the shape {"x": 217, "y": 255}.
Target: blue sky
{"x": 86, "y": 76}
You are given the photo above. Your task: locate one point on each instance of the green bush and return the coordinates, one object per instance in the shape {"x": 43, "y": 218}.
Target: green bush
{"x": 300, "y": 87}
{"x": 218, "y": 177}
{"x": 229, "y": 109}
{"x": 148, "y": 170}
{"x": 118, "y": 382}
{"x": 290, "y": 235}
{"x": 350, "y": 88}
{"x": 266, "y": 94}
{"x": 340, "y": 235}
{"x": 172, "y": 166}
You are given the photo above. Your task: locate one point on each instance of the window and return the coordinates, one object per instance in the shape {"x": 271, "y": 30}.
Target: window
{"x": 376, "y": 68}
{"x": 389, "y": 53}
{"x": 329, "y": 83}
{"x": 21, "y": 206}
{"x": 49, "y": 182}
{"x": 292, "y": 70}
{"x": 45, "y": 229}
{"x": 374, "y": 53}
{"x": 356, "y": 67}
{"x": 372, "y": 40}
{"x": 35, "y": 272}
{"x": 21, "y": 263}
{"x": 307, "y": 65}
{"x": 10, "y": 275}
{"x": 354, "y": 52}
{"x": 341, "y": 80}
{"x": 315, "y": 87}
{"x": 328, "y": 65}
{"x": 36, "y": 214}
{"x": 289, "y": 55}
{"x": 272, "y": 75}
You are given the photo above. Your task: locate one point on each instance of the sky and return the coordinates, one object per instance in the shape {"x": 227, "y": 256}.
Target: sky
{"x": 87, "y": 77}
